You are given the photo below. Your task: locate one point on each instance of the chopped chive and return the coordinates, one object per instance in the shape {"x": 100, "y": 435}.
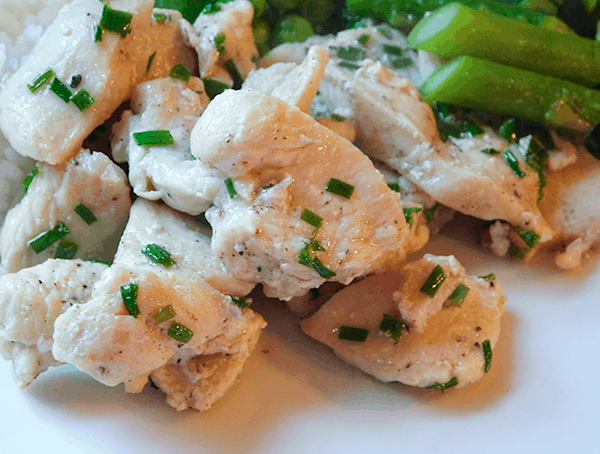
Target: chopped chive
{"x": 348, "y": 65}
{"x": 75, "y": 81}
{"x": 129, "y": 295}
{"x": 29, "y": 178}
{"x": 159, "y": 18}
{"x": 313, "y": 219}
{"x": 66, "y": 249}
{"x": 340, "y": 188}
{"x": 507, "y": 130}
{"x": 529, "y": 236}
{"x": 430, "y": 213}
{"x": 220, "y": 44}
{"x": 364, "y": 39}
{"x": 304, "y": 258}
{"x": 180, "y": 333}
{"x": 164, "y": 314}
{"x": 213, "y": 7}
{"x": 153, "y": 138}
{"x": 85, "y": 213}
{"x": 393, "y": 50}
{"x": 384, "y": 32}
{"x": 158, "y": 255}
{"x": 442, "y": 387}
{"x": 114, "y": 21}
{"x": 394, "y": 187}
{"x": 61, "y": 90}
{"x": 98, "y": 32}
{"x": 150, "y": 60}
{"x": 487, "y": 354}
{"x": 46, "y": 239}
{"x": 408, "y": 214}
{"x": 459, "y": 294}
{"x": 434, "y": 281}
{"x": 400, "y": 63}
{"x": 323, "y": 271}
{"x": 349, "y": 53}
{"x": 230, "y": 189}
{"x": 517, "y": 252}
{"x": 336, "y": 117}
{"x": 82, "y": 100}
{"x": 214, "y": 87}
{"x": 41, "y": 80}
{"x": 393, "y": 325}
{"x": 488, "y": 277}
{"x": 240, "y": 302}
{"x": 471, "y": 127}
{"x": 180, "y": 72}
{"x": 513, "y": 163}
{"x": 231, "y": 68}
{"x": 536, "y": 158}
{"x": 491, "y": 151}
{"x": 353, "y": 334}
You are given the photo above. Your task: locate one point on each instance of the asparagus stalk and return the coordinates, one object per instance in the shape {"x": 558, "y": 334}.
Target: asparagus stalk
{"x": 395, "y": 11}
{"x": 456, "y": 29}
{"x": 485, "y": 85}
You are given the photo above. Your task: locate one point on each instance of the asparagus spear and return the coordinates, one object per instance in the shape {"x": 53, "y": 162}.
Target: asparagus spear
{"x": 395, "y": 11}
{"x": 485, "y": 85}
{"x": 459, "y": 30}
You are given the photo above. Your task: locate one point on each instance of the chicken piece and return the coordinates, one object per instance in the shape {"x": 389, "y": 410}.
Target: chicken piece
{"x": 30, "y": 302}
{"x": 295, "y": 84}
{"x": 168, "y": 46}
{"x": 42, "y": 125}
{"x": 89, "y": 179}
{"x": 342, "y": 126}
{"x": 104, "y": 340}
{"x": 280, "y": 162}
{"x": 232, "y": 23}
{"x": 573, "y": 214}
{"x": 167, "y": 172}
{"x": 450, "y": 347}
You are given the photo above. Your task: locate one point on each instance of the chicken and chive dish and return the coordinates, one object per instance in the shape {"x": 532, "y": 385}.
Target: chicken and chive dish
{"x": 179, "y": 159}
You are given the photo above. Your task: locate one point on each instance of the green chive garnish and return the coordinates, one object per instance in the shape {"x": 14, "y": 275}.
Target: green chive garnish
{"x": 393, "y": 325}
{"x": 150, "y": 60}
{"x": 487, "y": 354}
{"x": 313, "y": 219}
{"x": 98, "y": 32}
{"x": 114, "y": 21}
{"x": 400, "y": 63}
{"x": 517, "y": 252}
{"x": 129, "y": 294}
{"x": 507, "y": 130}
{"x": 393, "y": 50}
{"x": 323, "y": 271}
{"x": 29, "y": 178}
{"x": 161, "y": 137}
{"x": 442, "y": 387}
{"x": 46, "y": 239}
{"x": 61, "y": 90}
{"x": 529, "y": 236}
{"x": 220, "y": 44}
{"x": 336, "y": 117}
{"x": 350, "y": 53}
{"x": 364, "y": 39}
{"x": 394, "y": 187}
{"x": 353, "y": 334}
{"x": 304, "y": 258}
{"x": 231, "y": 68}
{"x": 159, "y": 18}
{"x": 459, "y": 294}
{"x": 158, "y": 255}
{"x": 434, "y": 281}
{"x": 491, "y": 151}
{"x": 348, "y": 65}
{"x": 240, "y": 302}
{"x": 180, "y": 333}
{"x": 40, "y": 80}
{"x": 214, "y": 87}
{"x": 85, "y": 213}
{"x": 513, "y": 162}
{"x": 181, "y": 72}
{"x": 340, "y": 188}
{"x": 430, "y": 213}
{"x": 488, "y": 277}
{"x": 230, "y": 189}
{"x": 66, "y": 249}
{"x": 164, "y": 314}
{"x": 408, "y": 214}
{"x": 82, "y": 100}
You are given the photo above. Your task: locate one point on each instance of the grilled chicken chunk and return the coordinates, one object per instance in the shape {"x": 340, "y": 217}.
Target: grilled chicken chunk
{"x": 167, "y": 172}
{"x": 449, "y": 347}
{"x": 280, "y": 163}
{"x": 103, "y": 339}
{"x": 30, "y": 302}
{"x": 42, "y": 125}
{"x": 88, "y": 182}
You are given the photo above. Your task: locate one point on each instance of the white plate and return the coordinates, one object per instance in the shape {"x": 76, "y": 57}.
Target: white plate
{"x": 295, "y": 396}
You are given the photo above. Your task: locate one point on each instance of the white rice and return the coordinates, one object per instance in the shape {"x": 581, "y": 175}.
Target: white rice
{"x": 22, "y": 23}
